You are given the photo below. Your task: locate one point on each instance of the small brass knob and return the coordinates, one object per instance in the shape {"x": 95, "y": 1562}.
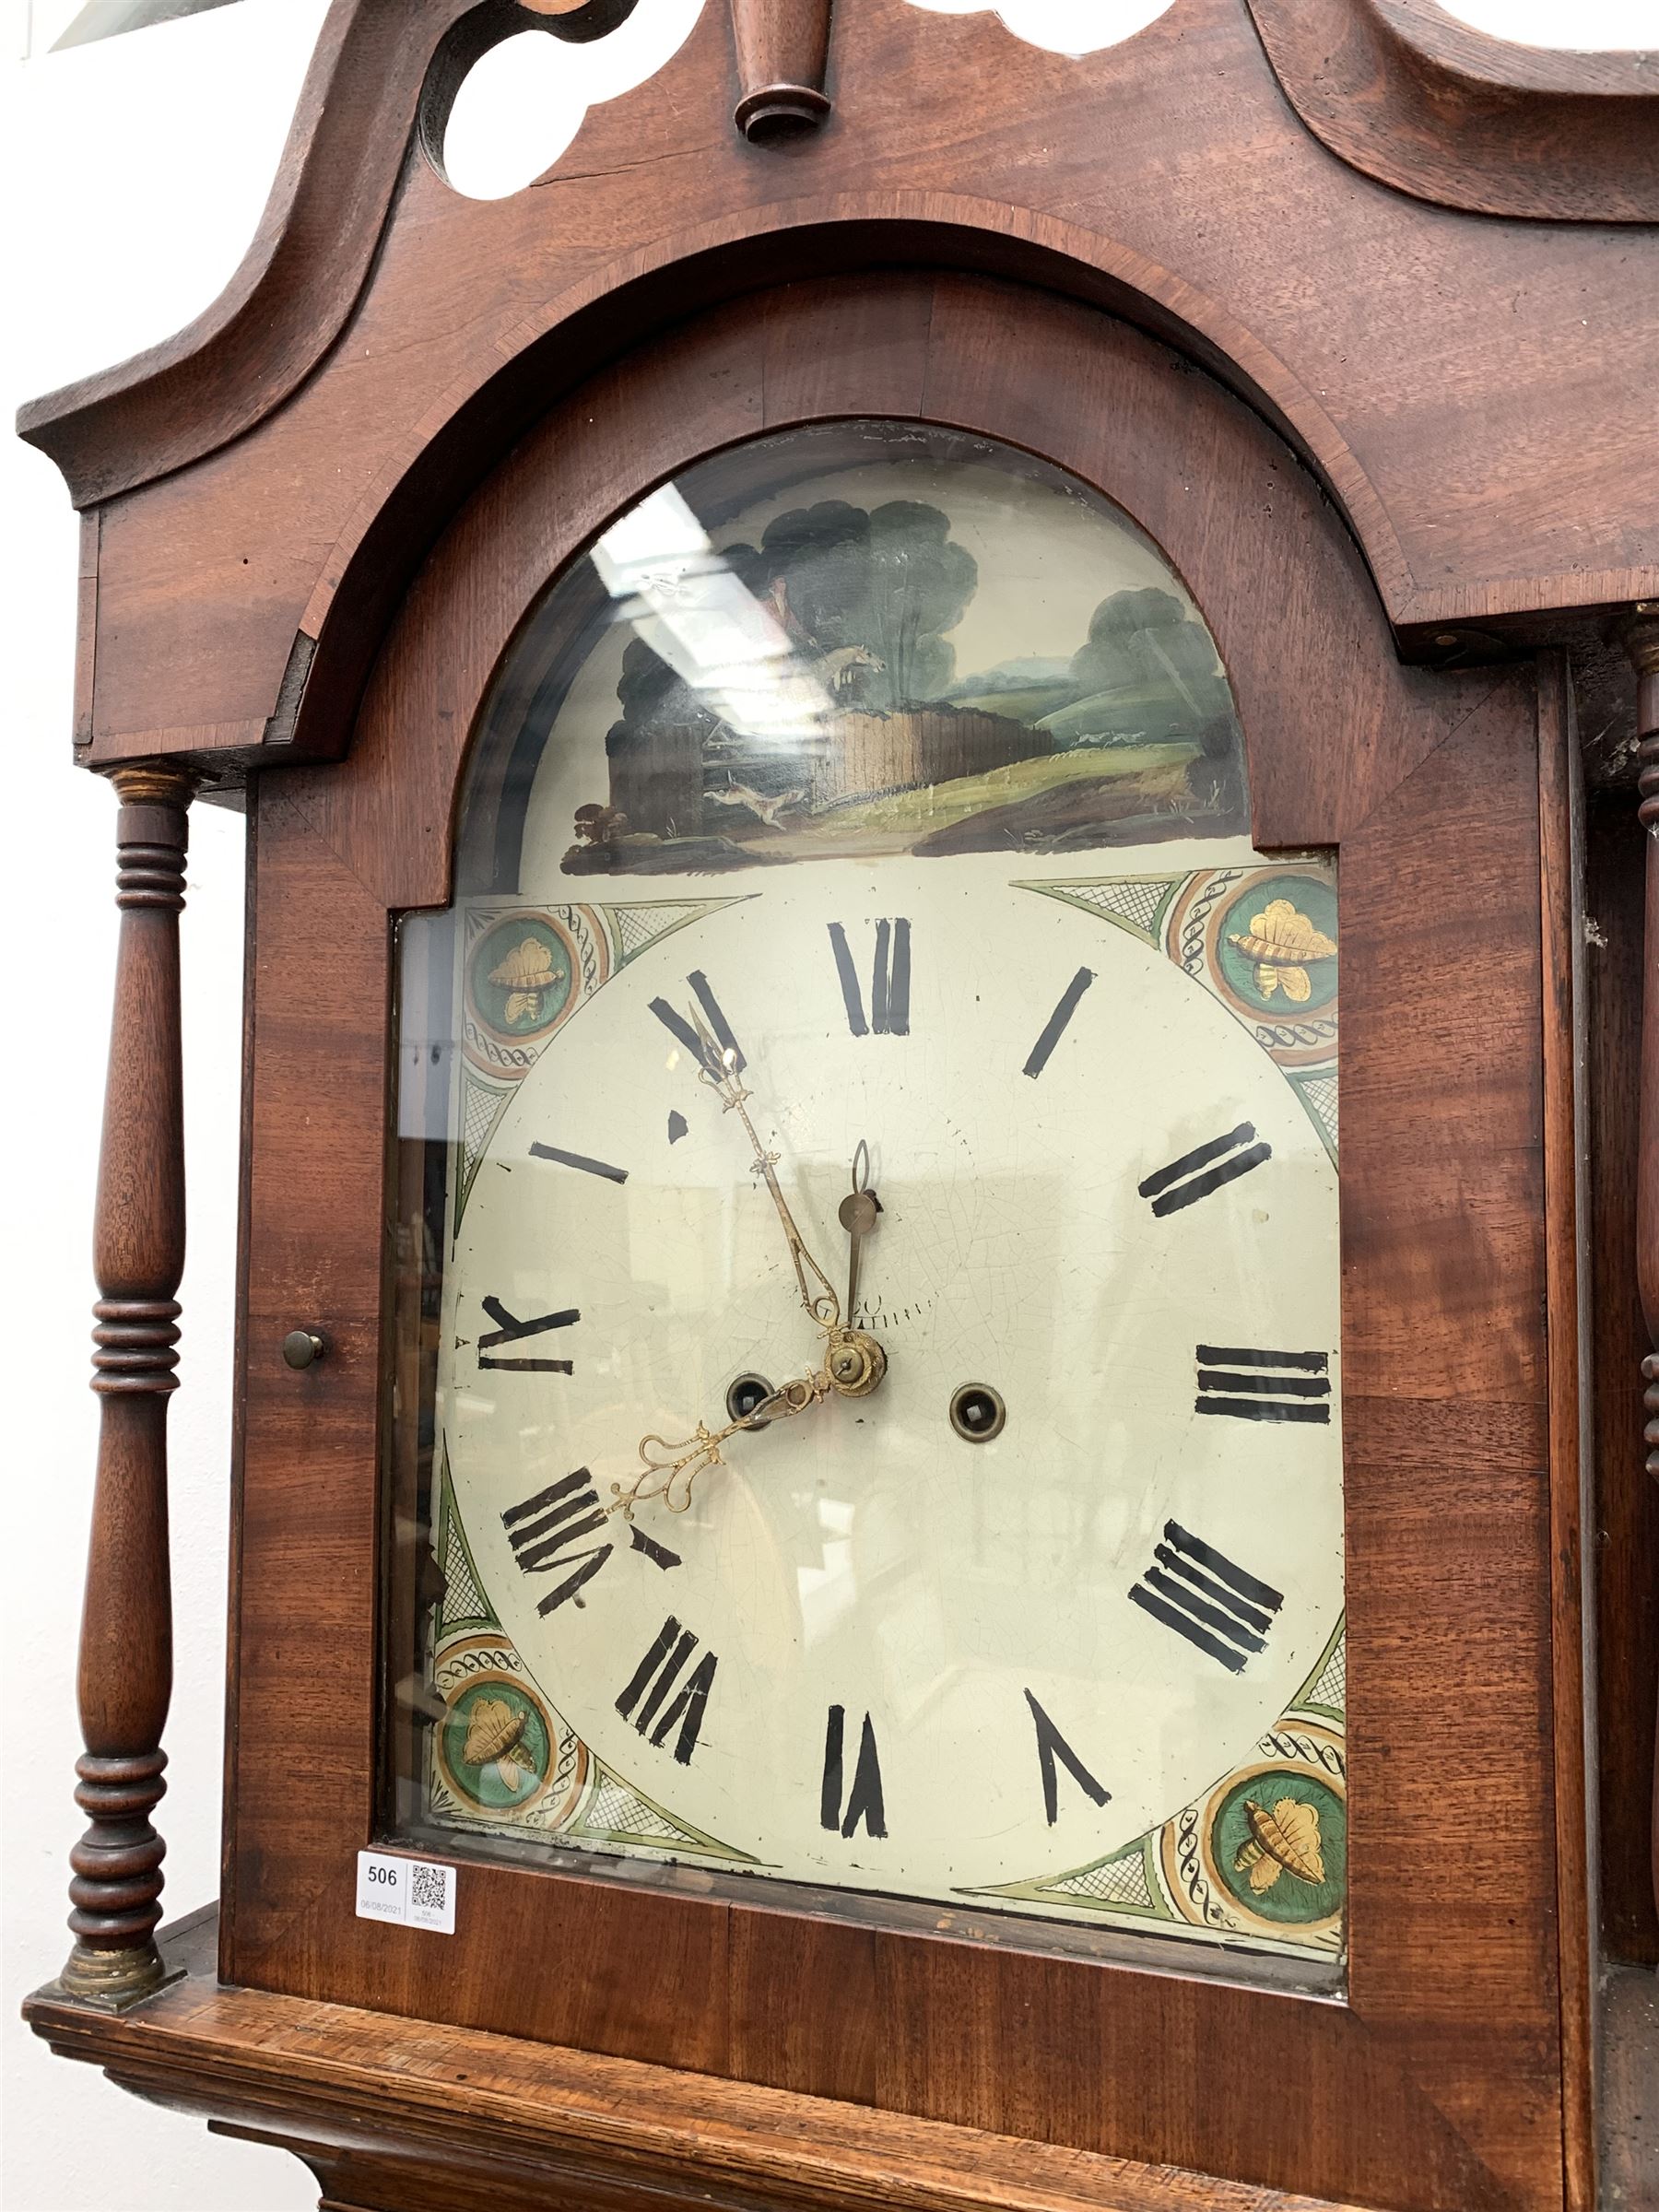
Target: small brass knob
{"x": 855, "y": 1363}
{"x": 301, "y": 1347}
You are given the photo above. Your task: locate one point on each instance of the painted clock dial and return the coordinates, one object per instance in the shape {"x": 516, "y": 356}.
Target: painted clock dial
{"x": 884, "y": 1399}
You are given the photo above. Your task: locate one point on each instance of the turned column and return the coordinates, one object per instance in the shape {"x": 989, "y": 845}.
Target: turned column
{"x": 126, "y": 1679}
{"x": 1642, "y": 643}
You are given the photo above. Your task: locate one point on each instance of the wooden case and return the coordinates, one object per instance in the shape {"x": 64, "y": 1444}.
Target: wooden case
{"x": 1323, "y": 337}
{"x": 1446, "y": 1353}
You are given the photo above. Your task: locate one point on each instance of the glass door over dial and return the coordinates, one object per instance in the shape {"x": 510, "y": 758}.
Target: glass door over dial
{"x": 869, "y": 1375}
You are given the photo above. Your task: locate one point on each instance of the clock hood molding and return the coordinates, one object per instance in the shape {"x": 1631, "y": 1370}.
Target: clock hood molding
{"x": 1420, "y": 101}
{"x": 415, "y": 334}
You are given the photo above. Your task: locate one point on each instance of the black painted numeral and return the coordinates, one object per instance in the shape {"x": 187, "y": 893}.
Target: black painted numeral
{"x": 890, "y": 979}
{"x": 1199, "y": 1593}
{"x": 864, "y": 1799}
{"x": 578, "y": 1160}
{"x": 1264, "y": 1386}
{"x": 546, "y": 1534}
{"x": 1205, "y": 1168}
{"x": 1052, "y": 1745}
{"x": 511, "y": 1331}
{"x": 1037, "y": 1059}
{"x": 656, "y": 1676}
{"x": 731, "y": 1052}
{"x": 718, "y": 1052}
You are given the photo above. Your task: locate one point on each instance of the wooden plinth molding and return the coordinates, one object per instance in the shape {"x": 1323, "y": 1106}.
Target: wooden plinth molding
{"x": 126, "y": 1679}
{"x": 1642, "y": 643}
{"x": 398, "y": 2114}
{"x": 782, "y": 52}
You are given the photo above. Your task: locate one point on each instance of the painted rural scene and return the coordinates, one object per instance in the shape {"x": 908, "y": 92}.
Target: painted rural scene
{"x": 1004, "y": 666}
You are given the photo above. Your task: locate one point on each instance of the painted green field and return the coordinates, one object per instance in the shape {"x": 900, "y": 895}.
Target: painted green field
{"x": 1152, "y": 768}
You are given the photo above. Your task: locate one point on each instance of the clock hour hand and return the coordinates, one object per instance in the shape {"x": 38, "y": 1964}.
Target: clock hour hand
{"x": 667, "y": 1471}
{"x": 853, "y": 1364}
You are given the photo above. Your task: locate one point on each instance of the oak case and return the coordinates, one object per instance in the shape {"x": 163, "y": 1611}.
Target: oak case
{"x": 1449, "y": 2039}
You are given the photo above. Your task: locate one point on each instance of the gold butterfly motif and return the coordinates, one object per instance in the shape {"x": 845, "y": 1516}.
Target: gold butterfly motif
{"x": 1283, "y": 943}
{"x": 494, "y": 1736}
{"x": 524, "y": 974}
{"x": 1284, "y": 1841}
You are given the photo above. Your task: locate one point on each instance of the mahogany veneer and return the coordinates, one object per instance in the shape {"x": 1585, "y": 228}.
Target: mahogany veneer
{"x": 1352, "y": 311}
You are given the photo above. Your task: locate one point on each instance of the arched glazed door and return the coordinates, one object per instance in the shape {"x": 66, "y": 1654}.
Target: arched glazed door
{"x": 922, "y": 758}
{"x": 890, "y": 1398}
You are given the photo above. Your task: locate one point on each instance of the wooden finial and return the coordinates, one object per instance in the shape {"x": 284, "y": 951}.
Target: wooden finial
{"x": 125, "y": 1681}
{"x": 782, "y": 52}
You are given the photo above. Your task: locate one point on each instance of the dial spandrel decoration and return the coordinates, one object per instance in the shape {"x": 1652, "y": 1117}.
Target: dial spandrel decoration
{"x": 872, "y": 1284}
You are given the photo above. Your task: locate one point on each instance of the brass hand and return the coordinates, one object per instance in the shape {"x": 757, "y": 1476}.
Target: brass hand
{"x": 858, "y": 1215}
{"x": 717, "y": 1071}
{"x": 853, "y": 1361}
{"x": 688, "y": 1459}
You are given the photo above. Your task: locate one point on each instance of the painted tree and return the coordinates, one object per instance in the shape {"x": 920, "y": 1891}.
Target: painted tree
{"x": 889, "y": 578}
{"x": 1147, "y": 668}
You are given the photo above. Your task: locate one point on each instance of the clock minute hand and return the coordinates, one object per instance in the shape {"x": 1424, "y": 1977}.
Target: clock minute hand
{"x": 717, "y": 1071}
{"x": 854, "y": 1362}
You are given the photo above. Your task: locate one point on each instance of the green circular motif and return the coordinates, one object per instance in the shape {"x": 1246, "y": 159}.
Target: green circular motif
{"x": 521, "y": 976}
{"x": 486, "y": 1715}
{"x": 1248, "y": 972}
{"x": 1240, "y": 1835}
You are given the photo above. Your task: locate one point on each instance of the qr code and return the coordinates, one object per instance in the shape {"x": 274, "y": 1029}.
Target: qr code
{"x": 429, "y": 1888}
{"x": 406, "y": 1893}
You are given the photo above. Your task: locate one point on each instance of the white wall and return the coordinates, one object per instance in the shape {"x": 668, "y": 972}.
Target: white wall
{"x": 138, "y": 169}
{"x": 1583, "y": 23}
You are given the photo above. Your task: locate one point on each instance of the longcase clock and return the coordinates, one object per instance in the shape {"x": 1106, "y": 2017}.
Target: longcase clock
{"x": 915, "y": 1444}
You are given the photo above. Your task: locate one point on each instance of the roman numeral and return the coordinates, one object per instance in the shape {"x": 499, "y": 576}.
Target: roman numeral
{"x": 864, "y": 1799}
{"x": 732, "y": 1057}
{"x": 578, "y": 1160}
{"x": 544, "y": 1530}
{"x": 509, "y": 1331}
{"x": 723, "y": 1054}
{"x": 1264, "y": 1386}
{"x": 1198, "y": 1591}
{"x": 1055, "y": 1028}
{"x": 1205, "y": 1168}
{"x": 1052, "y": 1745}
{"x": 890, "y": 979}
{"x": 656, "y": 1677}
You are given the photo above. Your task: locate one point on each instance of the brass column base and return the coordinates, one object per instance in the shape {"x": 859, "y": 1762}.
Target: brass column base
{"x": 113, "y": 1980}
